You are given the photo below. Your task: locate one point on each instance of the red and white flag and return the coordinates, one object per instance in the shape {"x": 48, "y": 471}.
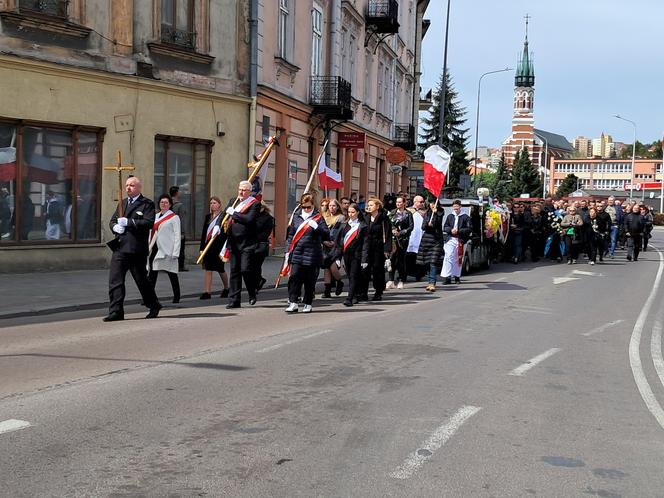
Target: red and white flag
{"x": 436, "y": 164}
{"x": 7, "y": 164}
{"x": 328, "y": 179}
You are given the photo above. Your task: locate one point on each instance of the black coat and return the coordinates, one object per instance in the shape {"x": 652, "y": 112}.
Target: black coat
{"x": 403, "y": 222}
{"x": 431, "y": 245}
{"x": 243, "y": 232}
{"x": 309, "y": 249}
{"x": 140, "y": 218}
{"x": 634, "y": 224}
{"x": 264, "y": 227}
{"x": 464, "y": 227}
{"x": 379, "y": 238}
{"x": 212, "y": 261}
{"x": 357, "y": 250}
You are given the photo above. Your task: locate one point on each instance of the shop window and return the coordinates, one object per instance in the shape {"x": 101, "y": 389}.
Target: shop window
{"x": 49, "y": 184}
{"x": 185, "y": 163}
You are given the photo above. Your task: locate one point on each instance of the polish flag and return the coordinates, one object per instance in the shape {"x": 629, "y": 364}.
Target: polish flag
{"x": 436, "y": 164}
{"x": 328, "y": 179}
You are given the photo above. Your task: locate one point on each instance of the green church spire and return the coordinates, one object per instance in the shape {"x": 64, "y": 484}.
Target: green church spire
{"x": 525, "y": 69}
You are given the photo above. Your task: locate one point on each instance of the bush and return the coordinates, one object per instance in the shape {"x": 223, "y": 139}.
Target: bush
{"x": 658, "y": 219}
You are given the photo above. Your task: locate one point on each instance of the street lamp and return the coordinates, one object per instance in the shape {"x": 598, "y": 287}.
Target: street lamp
{"x": 631, "y": 183}
{"x": 443, "y": 90}
{"x": 477, "y": 117}
{"x": 546, "y": 165}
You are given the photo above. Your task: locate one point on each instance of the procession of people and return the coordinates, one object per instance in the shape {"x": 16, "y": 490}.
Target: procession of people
{"x": 361, "y": 246}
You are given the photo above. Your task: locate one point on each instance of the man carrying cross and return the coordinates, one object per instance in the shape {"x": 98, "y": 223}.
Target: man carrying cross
{"x": 131, "y": 222}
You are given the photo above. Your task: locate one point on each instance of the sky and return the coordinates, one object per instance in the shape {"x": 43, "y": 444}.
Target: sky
{"x": 593, "y": 59}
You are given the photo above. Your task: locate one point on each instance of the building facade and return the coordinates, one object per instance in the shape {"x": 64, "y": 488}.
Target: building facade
{"x": 342, "y": 71}
{"x": 163, "y": 82}
{"x": 583, "y": 146}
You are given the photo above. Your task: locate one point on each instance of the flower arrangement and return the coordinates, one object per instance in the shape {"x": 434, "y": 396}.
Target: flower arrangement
{"x": 492, "y": 223}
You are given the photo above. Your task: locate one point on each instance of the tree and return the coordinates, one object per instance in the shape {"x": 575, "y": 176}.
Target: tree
{"x": 525, "y": 177}
{"x": 567, "y": 186}
{"x": 454, "y": 135}
{"x": 501, "y": 181}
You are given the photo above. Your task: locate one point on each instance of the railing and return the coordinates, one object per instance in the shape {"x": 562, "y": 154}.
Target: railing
{"x": 55, "y": 8}
{"x": 330, "y": 94}
{"x": 179, "y": 37}
{"x": 383, "y": 15}
{"x": 404, "y": 136}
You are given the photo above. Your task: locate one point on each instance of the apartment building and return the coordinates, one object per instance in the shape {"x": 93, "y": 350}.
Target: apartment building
{"x": 164, "y": 82}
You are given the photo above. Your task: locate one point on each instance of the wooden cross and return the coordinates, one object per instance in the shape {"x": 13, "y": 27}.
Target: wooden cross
{"x": 119, "y": 168}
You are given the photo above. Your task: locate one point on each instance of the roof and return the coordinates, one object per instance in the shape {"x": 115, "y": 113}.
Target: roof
{"x": 554, "y": 140}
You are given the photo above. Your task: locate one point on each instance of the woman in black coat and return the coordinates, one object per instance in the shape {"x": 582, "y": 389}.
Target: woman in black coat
{"x": 379, "y": 241}
{"x": 306, "y": 234}
{"x": 264, "y": 226}
{"x": 212, "y": 262}
{"x": 352, "y": 246}
{"x": 430, "y": 252}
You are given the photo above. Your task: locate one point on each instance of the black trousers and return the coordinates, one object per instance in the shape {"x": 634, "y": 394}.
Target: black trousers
{"x": 354, "y": 272}
{"x": 571, "y": 248}
{"x": 173, "y": 277}
{"x": 181, "y": 255}
{"x": 375, "y": 272}
{"x": 398, "y": 260}
{"x": 634, "y": 245}
{"x": 241, "y": 269}
{"x": 259, "y": 259}
{"x": 136, "y": 264}
{"x": 596, "y": 248}
{"x": 302, "y": 276}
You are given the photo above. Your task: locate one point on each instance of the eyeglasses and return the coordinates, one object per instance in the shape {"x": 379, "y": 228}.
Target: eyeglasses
{"x": 244, "y": 189}
{"x": 307, "y": 207}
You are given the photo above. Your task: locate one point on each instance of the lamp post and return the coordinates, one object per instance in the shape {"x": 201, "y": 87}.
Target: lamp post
{"x": 546, "y": 165}
{"x": 661, "y": 171}
{"x": 631, "y": 183}
{"x": 477, "y": 117}
{"x": 443, "y": 89}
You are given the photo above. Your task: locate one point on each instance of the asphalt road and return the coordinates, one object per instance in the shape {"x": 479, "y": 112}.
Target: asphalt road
{"x": 528, "y": 380}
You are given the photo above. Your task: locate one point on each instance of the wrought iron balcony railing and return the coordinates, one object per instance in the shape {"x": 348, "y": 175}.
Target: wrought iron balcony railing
{"x": 331, "y": 96}
{"x": 383, "y": 16}
{"x": 55, "y": 8}
{"x": 404, "y": 136}
{"x": 179, "y": 37}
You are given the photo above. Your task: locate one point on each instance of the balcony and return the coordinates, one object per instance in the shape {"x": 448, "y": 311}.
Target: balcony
{"x": 404, "y": 136}
{"x": 382, "y": 16}
{"x": 179, "y": 37}
{"x": 331, "y": 97}
{"x": 52, "y": 8}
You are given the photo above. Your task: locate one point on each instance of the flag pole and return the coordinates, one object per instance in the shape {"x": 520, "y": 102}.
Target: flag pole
{"x": 257, "y": 168}
{"x": 307, "y": 188}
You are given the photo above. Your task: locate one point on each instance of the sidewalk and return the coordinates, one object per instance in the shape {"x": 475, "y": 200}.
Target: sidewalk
{"x": 42, "y": 293}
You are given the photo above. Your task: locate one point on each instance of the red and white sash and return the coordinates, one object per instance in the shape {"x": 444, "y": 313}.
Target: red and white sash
{"x": 225, "y": 253}
{"x": 299, "y": 233}
{"x": 350, "y": 236}
{"x": 167, "y": 216}
{"x": 210, "y": 228}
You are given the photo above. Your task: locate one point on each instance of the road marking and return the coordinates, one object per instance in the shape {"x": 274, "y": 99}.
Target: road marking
{"x": 522, "y": 369}
{"x": 440, "y": 436}
{"x": 602, "y": 328}
{"x": 529, "y": 310}
{"x": 656, "y": 349}
{"x": 293, "y": 341}
{"x": 562, "y": 280}
{"x": 588, "y": 273}
{"x": 13, "y": 425}
{"x": 634, "y": 356}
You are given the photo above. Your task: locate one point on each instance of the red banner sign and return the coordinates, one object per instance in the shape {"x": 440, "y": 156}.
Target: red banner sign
{"x": 351, "y": 140}
{"x": 642, "y": 186}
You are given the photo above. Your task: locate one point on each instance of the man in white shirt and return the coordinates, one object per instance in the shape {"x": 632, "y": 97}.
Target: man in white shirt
{"x": 418, "y": 210}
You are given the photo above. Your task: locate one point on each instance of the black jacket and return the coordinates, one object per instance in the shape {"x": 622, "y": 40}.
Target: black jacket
{"x": 634, "y": 224}
{"x": 379, "y": 237}
{"x": 357, "y": 250}
{"x": 464, "y": 227}
{"x": 431, "y": 245}
{"x": 403, "y": 222}
{"x": 140, "y": 218}
{"x": 603, "y": 222}
{"x": 243, "y": 232}
{"x": 309, "y": 249}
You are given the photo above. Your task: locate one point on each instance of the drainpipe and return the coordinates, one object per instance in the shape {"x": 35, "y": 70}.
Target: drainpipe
{"x": 253, "y": 74}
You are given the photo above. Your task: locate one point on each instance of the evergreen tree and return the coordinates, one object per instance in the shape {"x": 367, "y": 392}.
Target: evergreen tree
{"x": 454, "y": 135}
{"x": 525, "y": 177}
{"x": 501, "y": 181}
{"x": 567, "y": 186}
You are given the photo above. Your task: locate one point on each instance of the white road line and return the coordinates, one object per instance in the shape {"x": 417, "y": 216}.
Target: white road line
{"x": 520, "y": 370}
{"x": 529, "y": 310}
{"x": 562, "y": 280}
{"x": 440, "y": 436}
{"x": 656, "y": 349}
{"x": 602, "y": 328}
{"x": 588, "y": 273}
{"x": 13, "y": 425}
{"x": 634, "y": 355}
{"x": 293, "y": 341}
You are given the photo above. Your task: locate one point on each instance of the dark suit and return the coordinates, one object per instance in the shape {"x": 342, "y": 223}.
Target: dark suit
{"x": 132, "y": 254}
{"x": 242, "y": 241}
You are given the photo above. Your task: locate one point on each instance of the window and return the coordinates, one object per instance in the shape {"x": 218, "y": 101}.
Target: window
{"x": 352, "y": 50}
{"x": 185, "y": 163}
{"x": 345, "y": 69}
{"x": 177, "y": 22}
{"x": 316, "y": 40}
{"x": 49, "y": 183}
{"x": 368, "y": 62}
{"x": 284, "y": 29}
{"x": 381, "y": 86}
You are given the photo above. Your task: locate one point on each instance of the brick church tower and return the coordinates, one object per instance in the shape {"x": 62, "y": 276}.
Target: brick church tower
{"x": 523, "y": 121}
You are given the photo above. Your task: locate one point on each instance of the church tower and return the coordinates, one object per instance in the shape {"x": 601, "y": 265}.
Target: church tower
{"x": 523, "y": 121}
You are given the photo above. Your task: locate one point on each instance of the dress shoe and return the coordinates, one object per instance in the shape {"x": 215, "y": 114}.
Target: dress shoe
{"x": 340, "y": 288}
{"x": 377, "y": 297}
{"x": 231, "y": 306}
{"x": 114, "y": 317}
{"x": 348, "y": 302}
{"x": 457, "y": 280}
{"x": 252, "y": 301}
{"x": 205, "y": 295}
{"x": 176, "y": 300}
{"x": 154, "y": 312}
{"x": 224, "y": 293}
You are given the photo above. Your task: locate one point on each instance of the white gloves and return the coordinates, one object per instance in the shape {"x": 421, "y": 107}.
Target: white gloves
{"x": 230, "y": 210}
{"x": 216, "y": 231}
{"x": 364, "y": 265}
{"x": 122, "y": 222}
{"x": 119, "y": 229}
{"x": 313, "y": 224}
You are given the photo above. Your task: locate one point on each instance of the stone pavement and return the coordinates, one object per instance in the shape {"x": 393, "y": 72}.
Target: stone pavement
{"x": 42, "y": 293}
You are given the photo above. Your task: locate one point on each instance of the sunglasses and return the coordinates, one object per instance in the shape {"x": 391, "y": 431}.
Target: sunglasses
{"x": 307, "y": 207}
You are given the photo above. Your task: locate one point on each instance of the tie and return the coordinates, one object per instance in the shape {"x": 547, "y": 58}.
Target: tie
{"x": 131, "y": 201}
